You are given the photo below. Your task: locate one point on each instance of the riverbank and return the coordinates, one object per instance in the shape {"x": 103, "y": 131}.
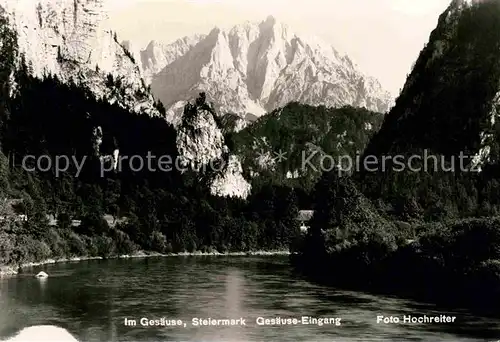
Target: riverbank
{"x": 80, "y": 296}
{"x": 456, "y": 264}
{"x": 6, "y": 271}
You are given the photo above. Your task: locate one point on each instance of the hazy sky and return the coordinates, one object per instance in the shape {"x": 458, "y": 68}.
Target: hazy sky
{"x": 383, "y": 37}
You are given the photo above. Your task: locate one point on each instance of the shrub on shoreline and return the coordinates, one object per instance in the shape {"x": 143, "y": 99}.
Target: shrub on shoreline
{"x": 456, "y": 264}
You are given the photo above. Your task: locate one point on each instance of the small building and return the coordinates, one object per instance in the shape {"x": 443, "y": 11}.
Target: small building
{"x": 52, "y": 220}
{"x": 304, "y": 217}
{"x": 22, "y": 218}
{"x": 15, "y": 218}
{"x": 12, "y": 210}
{"x": 110, "y": 219}
{"x": 113, "y": 221}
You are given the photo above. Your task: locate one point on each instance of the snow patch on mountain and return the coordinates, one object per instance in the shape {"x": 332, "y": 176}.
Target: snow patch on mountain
{"x": 256, "y": 68}
{"x": 72, "y": 40}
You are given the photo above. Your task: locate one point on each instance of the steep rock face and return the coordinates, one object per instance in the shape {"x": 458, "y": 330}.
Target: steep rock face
{"x": 436, "y": 156}
{"x": 72, "y": 39}
{"x": 449, "y": 103}
{"x": 201, "y": 148}
{"x": 157, "y": 56}
{"x": 256, "y": 68}
{"x": 199, "y": 141}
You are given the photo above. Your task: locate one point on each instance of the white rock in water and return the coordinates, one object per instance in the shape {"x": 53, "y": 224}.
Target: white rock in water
{"x": 42, "y": 275}
{"x": 43, "y": 333}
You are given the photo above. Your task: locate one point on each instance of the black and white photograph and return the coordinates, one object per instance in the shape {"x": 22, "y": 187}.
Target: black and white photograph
{"x": 249, "y": 171}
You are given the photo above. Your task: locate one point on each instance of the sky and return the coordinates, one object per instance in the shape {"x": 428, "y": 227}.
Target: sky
{"x": 383, "y": 37}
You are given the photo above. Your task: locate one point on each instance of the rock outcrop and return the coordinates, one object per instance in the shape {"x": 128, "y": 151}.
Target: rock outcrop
{"x": 202, "y": 148}
{"x": 72, "y": 40}
{"x": 450, "y": 102}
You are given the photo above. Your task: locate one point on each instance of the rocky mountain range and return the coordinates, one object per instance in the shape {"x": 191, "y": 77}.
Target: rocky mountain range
{"x": 249, "y": 70}
{"x": 255, "y": 68}
{"x": 252, "y": 68}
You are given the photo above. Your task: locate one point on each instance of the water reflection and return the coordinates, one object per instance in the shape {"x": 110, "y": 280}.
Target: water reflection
{"x": 43, "y": 286}
{"x": 113, "y": 332}
{"x": 92, "y": 300}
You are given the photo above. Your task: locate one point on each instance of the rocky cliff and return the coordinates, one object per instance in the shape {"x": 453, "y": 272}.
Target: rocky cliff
{"x": 450, "y": 102}
{"x": 72, "y": 40}
{"x": 202, "y": 148}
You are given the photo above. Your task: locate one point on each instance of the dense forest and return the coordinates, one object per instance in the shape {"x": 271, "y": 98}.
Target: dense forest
{"x": 309, "y": 137}
{"x": 158, "y": 211}
{"x": 432, "y": 234}
{"x": 448, "y": 106}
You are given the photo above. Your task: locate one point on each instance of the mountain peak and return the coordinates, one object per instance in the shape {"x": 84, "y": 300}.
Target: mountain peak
{"x": 271, "y": 23}
{"x": 270, "y": 20}
{"x": 152, "y": 44}
{"x": 215, "y": 31}
{"x": 254, "y": 68}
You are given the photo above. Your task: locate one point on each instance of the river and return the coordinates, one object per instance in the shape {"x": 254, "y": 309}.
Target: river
{"x": 92, "y": 300}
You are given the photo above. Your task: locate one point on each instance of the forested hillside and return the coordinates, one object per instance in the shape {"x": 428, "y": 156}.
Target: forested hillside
{"x": 447, "y": 108}
{"x": 308, "y": 138}
{"x": 427, "y": 226}
{"x": 163, "y": 211}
